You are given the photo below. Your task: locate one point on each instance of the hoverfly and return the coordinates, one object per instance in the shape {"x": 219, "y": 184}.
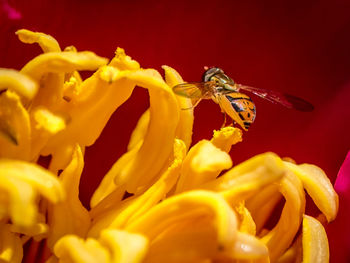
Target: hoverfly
{"x": 216, "y": 85}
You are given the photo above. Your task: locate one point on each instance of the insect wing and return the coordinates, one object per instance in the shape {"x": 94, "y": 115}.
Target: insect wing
{"x": 194, "y": 90}
{"x": 286, "y": 100}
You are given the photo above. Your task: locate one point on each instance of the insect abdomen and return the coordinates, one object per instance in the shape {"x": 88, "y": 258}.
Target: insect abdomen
{"x": 243, "y": 106}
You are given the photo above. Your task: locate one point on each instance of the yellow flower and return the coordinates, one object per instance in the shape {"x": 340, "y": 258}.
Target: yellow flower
{"x": 186, "y": 203}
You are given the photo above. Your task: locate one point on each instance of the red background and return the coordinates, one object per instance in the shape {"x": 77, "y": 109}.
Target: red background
{"x": 298, "y": 47}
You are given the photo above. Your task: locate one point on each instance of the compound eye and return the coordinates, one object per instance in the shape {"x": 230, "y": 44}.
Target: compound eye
{"x": 210, "y": 73}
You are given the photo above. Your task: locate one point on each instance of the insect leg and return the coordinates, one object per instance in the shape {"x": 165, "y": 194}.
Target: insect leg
{"x": 218, "y": 100}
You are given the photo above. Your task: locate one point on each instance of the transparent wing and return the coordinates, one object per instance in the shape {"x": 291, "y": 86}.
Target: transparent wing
{"x": 195, "y": 90}
{"x": 284, "y": 99}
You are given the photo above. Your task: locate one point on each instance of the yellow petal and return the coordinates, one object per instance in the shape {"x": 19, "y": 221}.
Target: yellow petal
{"x": 15, "y": 131}
{"x": 45, "y": 124}
{"x": 248, "y": 177}
{"x": 10, "y": 246}
{"x": 124, "y": 247}
{"x": 140, "y": 130}
{"x": 262, "y": 204}
{"x": 123, "y": 62}
{"x": 110, "y": 214}
{"x": 282, "y": 235}
{"x": 114, "y": 246}
{"x": 141, "y": 166}
{"x": 198, "y": 169}
{"x": 73, "y": 80}
{"x": 38, "y": 231}
{"x": 187, "y": 206}
{"x": 21, "y": 201}
{"x": 185, "y": 125}
{"x": 107, "y": 188}
{"x": 46, "y": 42}
{"x": 157, "y": 144}
{"x": 188, "y": 241}
{"x": 73, "y": 249}
{"x": 315, "y": 242}
{"x": 61, "y": 157}
{"x": 293, "y": 254}
{"x": 226, "y": 137}
{"x": 319, "y": 187}
{"x": 48, "y": 121}
{"x": 49, "y": 69}
{"x": 112, "y": 90}
{"x": 23, "y": 181}
{"x": 13, "y": 80}
{"x": 245, "y": 219}
{"x": 71, "y": 88}
{"x": 69, "y": 217}
{"x": 98, "y": 100}
{"x": 62, "y": 62}
{"x": 245, "y": 247}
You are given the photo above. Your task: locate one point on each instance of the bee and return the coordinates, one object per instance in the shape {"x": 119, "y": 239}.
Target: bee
{"x": 223, "y": 90}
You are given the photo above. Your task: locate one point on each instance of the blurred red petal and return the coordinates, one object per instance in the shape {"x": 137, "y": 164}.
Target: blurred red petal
{"x": 10, "y": 12}
{"x": 342, "y": 184}
{"x": 339, "y": 231}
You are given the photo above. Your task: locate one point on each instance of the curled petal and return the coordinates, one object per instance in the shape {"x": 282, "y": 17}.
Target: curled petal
{"x": 185, "y": 125}
{"x": 15, "y": 130}
{"x": 282, "y": 235}
{"x": 119, "y": 215}
{"x": 315, "y": 242}
{"x": 318, "y": 187}
{"x": 248, "y": 177}
{"x": 157, "y": 144}
{"x": 22, "y": 181}
{"x": 262, "y": 204}
{"x": 107, "y": 188}
{"x": 188, "y": 206}
{"x": 113, "y": 246}
{"x": 140, "y": 130}
{"x": 62, "y": 62}
{"x": 49, "y": 69}
{"x": 13, "y": 80}
{"x": 142, "y": 165}
{"x": 69, "y": 216}
{"x": 198, "y": 168}
{"x": 46, "y": 42}
{"x": 99, "y": 96}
